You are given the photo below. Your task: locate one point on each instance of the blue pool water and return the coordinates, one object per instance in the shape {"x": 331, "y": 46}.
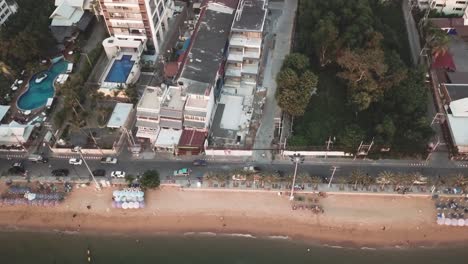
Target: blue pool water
{"x": 120, "y": 70}
{"x": 37, "y": 93}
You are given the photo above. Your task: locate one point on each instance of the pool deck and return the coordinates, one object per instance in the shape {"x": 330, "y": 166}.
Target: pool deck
{"x": 132, "y": 76}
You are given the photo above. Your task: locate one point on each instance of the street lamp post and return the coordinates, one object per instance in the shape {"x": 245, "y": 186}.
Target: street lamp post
{"x": 87, "y": 58}
{"x": 86, "y": 164}
{"x": 296, "y": 159}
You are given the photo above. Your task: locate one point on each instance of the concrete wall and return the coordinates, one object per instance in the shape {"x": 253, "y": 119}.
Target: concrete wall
{"x": 227, "y": 152}
{"x": 318, "y": 153}
{"x": 67, "y": 151}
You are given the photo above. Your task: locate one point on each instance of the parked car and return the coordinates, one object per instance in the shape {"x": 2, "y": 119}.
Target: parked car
{"x": 252, "y": 169}
{"x": 37, "y": 158}
{"x": 99, "y": 173}
{"x": 109, "y": 160}
{"x": 182, "y": 172}
{"x": 199, "y": 162}
{"x": 60, "y": 172}
{"x": 74, "y": 161}
{"x": 17, "y": 168}
{"x": 118, "y": 174}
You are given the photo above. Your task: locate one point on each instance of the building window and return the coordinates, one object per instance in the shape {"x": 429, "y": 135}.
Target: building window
{"x": 458, "y": 9}
{"x": 161, "y": 9}
{"x": 461, "y": 2}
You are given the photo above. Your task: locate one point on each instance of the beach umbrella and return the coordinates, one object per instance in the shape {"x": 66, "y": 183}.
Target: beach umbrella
{"x": 454, "y": 222}
{"x": 448, "y": 221}
{"x": 461, "y": 222}
{"x": 114, "y": 204}
{"x": 142, "y": 204}
{"x": 466, "y": 222}
{"x": 124, "y": 205}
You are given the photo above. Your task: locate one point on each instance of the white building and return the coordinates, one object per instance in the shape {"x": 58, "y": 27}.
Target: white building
{"x": 147, "y": 115}
{"x": 7, "y": 8}
{"x": 445, "y": 6}
{"x": 457, "y": 118}
{"x": 15, "y": 134}
{"x": 69, "y": 18}
{"x": 245, "y": 47}
{"x": 143, "y": 21}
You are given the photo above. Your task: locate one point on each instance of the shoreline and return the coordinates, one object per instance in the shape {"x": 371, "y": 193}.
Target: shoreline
{"x": 349, "y": 221}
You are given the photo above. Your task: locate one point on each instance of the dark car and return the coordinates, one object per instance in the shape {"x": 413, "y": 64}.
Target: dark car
{"x": 60, "y": 172}
{"x": 99, "y": 173}
{"x": 17, "y": 168}
{"x": 199, "y": 162}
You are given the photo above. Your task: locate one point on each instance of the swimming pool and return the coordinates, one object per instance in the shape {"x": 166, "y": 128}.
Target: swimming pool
{"x": 37, "y": 93}
{"x": 120, "y": 70}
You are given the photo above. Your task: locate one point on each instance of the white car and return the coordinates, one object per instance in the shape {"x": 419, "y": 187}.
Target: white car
{"x": 75, "y": 161}
{"x": 118, "y": 174}
{"x": 109, "y": 160}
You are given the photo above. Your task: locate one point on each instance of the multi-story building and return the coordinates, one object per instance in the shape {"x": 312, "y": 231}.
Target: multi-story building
{"x": 139, "y": 20}
{"x": 147, "y": 113}
{"x": 7, "y": 8}
{"x": 245, "y": 47}
{"x": 70, "y": 18}
{"x": 201, "y": 74}
{"x": 448, "y": 7}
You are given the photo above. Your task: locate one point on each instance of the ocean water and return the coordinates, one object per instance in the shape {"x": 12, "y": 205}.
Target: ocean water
{"x": 38, "y": 248}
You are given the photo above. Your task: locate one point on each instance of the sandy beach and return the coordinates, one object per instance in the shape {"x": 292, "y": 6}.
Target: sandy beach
{"x": 361, "y": 220}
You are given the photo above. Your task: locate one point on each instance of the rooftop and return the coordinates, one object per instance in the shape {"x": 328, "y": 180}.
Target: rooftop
{"x": 168, "y": 138}
{"x": 3, "y": 111}
{"x": 459, "y": 108}
{"x": 192, "y": 138}
{"x": 150, "y": 100}
{"x": 15, "y": 133}
{"x": 207, "y": 48}
{"x": 173, "y": 99}
{"x": 457, "y": 92}
{"x": 458, "y": 128}
{"x": 458, "y": 47}
{"x": 250, "y": 16}
{"x": 458, "y": 77}
{"x": 119, "y": 115}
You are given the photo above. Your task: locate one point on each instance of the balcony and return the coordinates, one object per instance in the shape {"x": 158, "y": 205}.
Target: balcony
{"x": 235, "y": 56}
{"x": 233, "y": 71}
{"x": 241, "y": 41}
{"x": 251, "y": 68}
{"x": 252, "y": 54}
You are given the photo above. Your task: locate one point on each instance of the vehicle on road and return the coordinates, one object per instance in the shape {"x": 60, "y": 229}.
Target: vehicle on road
{"x": 75, "y": 161}
{"x": 99, "y": 173}
{"x": 252, "y": 169}
{"x": 109, "y": 160}
{"x": 37, "y": 158}
{"x": 60, "y": 172}
{"x": 17, "y": 168}
{"x": 199, "y": 162}
{"x": 182, "y": 172}
{"x": 118, "y": 174}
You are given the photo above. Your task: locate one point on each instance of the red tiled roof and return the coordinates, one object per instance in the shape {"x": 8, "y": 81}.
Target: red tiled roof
{"x": 171, "y": 69}
{"x": 444, "y": 61}
{"x": 192, "y": 138}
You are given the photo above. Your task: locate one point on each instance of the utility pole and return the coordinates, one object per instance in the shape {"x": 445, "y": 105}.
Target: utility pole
{"x": 438, "y": 118}
{"x": 433, "y": 149}
{"x": 296, "y": 159}
{"x": 86, "y": 164}
{"x": 334, "y": 168}
{"x": 328, "y": 142}
{"x": 87, "y": 58}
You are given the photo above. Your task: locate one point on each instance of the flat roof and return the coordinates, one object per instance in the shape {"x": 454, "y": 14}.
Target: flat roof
{"x": 168, "y": 138}
{"x": 457, "y": 92}
{"x": 119, "y": 115}
{"x": 250, "y": 16}
{"x": 3, "y": 111}
{"x": 206, "y": 52}
{"x": 458, "y": 77}
{"x": 232, "y": 111}
{"x": 150, "y": 98}
{"x": 172, "y": 99}
{"x": 459, "y": 108}
{"x": 458, "y": 128}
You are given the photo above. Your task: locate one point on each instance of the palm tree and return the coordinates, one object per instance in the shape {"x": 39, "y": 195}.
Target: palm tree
{"x": 457, "y": 181}
{"x": 357, "y": 177}
{"x": 209, "y": 177}
{"x": 385, "y": 177}
{"x": 6, "y": 70}
{"x": 315, "y": 180}
{"x": 222, "y": 178}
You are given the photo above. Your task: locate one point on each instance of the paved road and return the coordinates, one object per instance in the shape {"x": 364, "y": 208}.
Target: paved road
{"x": 320, "y": 168}
{"x": 283, "y": 30}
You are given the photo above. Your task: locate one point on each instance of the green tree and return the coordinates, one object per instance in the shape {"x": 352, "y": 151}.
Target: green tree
{"x": 296, "y": 61}
{"x": 150, "y": 179}
{"x": 351, "y": 137}
{"x": 293, "y": 92}
{"x": 129, "y": 178}
{"x": 326, "y": 39}
{"x": 437, "y": 40}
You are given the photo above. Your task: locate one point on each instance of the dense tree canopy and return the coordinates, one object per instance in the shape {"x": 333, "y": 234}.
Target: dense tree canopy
{"x": 296, "y": 84}
{"x": 150, "y": 179}
{"x": 366, "y": 88}
{"x": 25, "y": 37}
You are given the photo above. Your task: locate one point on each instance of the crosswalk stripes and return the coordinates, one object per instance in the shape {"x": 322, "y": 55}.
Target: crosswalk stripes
{"x": 418, "y": 164}
{"x": 463, "y": 165}
{"x": 77, "y": 156}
